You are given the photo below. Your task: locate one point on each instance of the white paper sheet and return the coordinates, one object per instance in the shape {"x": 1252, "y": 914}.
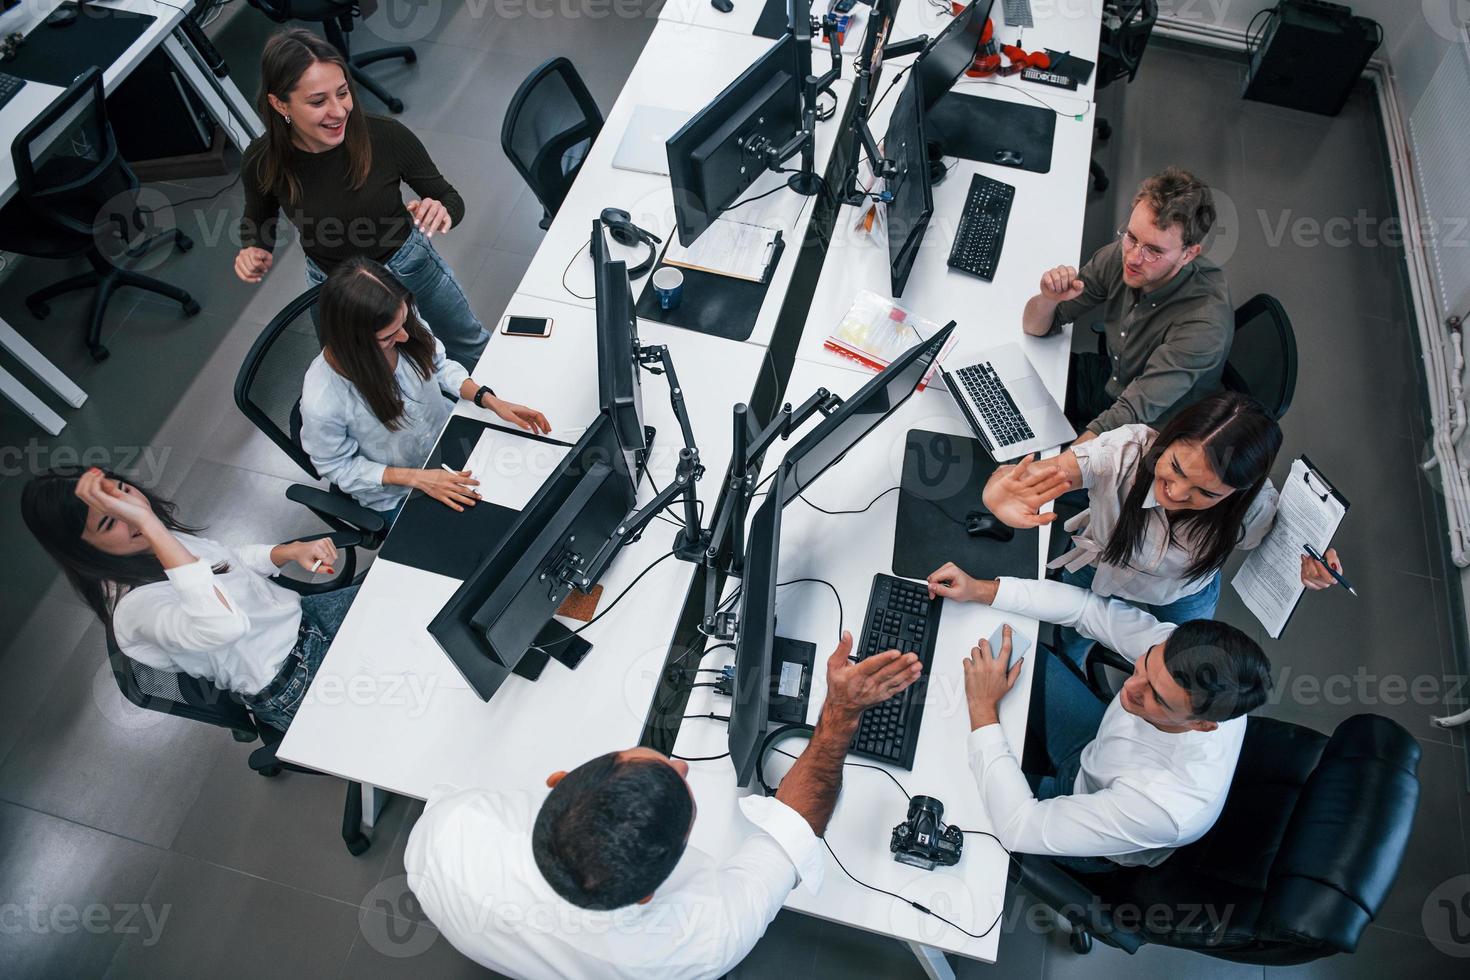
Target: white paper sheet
{"x": 511, "y": 467}
{"x": 1270, "y": 580}
{"x": 727, "y": 248}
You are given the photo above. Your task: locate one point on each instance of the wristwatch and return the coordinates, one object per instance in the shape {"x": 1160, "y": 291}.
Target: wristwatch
{"x": 484, "y": 390}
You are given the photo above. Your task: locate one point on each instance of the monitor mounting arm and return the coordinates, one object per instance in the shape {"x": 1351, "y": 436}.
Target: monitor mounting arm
{"x": 806, "y": 180}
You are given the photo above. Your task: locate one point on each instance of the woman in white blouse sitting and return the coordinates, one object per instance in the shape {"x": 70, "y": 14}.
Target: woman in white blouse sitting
{"x": 178, "y": 602}
{"x": 1165, "y": 508}
{"x": 373, "y": 402}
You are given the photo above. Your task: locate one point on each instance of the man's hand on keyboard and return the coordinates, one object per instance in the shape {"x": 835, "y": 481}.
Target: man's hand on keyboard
{"x": 854, "y": 687}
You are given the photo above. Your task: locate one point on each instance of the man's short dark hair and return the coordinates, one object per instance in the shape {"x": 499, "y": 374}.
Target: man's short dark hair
{"x": 1180, "y": 198}
{"x": 612, "y": 830}
{"x": 1225, "y": 672}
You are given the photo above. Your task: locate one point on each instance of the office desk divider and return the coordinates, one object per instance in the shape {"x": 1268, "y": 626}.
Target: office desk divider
{"x": 943, "y": 478}
{"x": 429, "y": 535}
{"x": 721, "y": 306}
{"x": 56, "y": 56}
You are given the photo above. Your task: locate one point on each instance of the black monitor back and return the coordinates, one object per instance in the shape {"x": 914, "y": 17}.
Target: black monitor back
{"x": 619, "y": 387}
{"x": 710, "y": 161}
{"x": 952, "y": 51}
{"x": 913, "y": 197}
{"x": 750, "y": 703}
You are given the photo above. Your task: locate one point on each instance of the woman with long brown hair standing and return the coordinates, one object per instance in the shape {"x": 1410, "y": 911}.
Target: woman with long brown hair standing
{"x": 337, "y": 173}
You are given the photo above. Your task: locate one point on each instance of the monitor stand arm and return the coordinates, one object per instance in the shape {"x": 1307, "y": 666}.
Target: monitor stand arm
{"x": 806, "y": 180}
{"x": 864, "y": 144}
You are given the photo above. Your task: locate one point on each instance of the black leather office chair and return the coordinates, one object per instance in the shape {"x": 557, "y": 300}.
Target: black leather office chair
{"x": 268, "y": 391}
{"x": 548, "y": 131}
{"x": 1127, "y": 25}
{"x": 1262, "y": 360}
{"x": 1299, "y": 863}
{"x": 76, "y": 196}
{"x": 175, "y": 693}
{"x": 336, "y": 16}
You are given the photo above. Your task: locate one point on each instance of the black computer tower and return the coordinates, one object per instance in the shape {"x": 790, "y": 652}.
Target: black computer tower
{"x": 1308, "y": 56}
{"x": 154, "y": 114}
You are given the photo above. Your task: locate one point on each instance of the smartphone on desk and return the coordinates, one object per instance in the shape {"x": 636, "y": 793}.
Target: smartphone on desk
{"x": 1020, "y": 644}
{"x": 526, "y": 326}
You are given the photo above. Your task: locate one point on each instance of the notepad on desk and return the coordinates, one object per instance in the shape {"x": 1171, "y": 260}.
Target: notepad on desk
{"x": 736, "y": 249}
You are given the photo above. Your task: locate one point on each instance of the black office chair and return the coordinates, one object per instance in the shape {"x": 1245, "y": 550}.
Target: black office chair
{"x": 176, "y": 693}
{"x": 548, "y": 131}
{"x": 335, "y": 16}
{"x": 1127, "y": 25}
{"x": 1299, "y": 863}
{"x": 75, "y": 195}
{"x": 1262, "y": 360}
{"x": 268, "y": 391}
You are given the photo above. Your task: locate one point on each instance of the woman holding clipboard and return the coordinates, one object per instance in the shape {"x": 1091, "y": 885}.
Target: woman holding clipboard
{"x": 1166, "y": 508}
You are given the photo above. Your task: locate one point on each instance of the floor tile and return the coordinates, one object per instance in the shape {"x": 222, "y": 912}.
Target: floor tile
{"x": 387, "y": 949}
{"x": 32, "y": 660}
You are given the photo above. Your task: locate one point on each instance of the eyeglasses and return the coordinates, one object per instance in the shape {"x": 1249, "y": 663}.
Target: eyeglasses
{"x": 1150, "y": 254}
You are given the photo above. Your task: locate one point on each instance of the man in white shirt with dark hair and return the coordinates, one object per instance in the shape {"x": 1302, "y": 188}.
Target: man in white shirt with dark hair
{"x": 599, "y": 882}
{"x": 1135, "y": 778}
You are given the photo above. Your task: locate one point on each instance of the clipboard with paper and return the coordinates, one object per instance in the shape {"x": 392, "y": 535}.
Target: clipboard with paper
{"x": 1309, "y": 512}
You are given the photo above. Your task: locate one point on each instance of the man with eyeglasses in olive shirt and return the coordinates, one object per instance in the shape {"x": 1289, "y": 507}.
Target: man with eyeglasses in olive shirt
{"x": 1166, "y": 311}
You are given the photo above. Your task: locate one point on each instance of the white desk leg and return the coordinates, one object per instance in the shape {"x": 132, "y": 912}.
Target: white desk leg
{"x": 23, "y": 397}
{"x": 373, "y": 800}
{"x": 223, "y": 99}
{"x": 38, "y": 365}
{"x": 936, "y": 967}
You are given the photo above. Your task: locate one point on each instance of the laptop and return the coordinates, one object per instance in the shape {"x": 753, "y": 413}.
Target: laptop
{"x": 1005, "y": 402}
{"x": 642, "y": 148}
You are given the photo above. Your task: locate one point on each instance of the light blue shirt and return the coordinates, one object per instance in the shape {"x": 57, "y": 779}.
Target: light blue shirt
{"x": 351, "y": 448}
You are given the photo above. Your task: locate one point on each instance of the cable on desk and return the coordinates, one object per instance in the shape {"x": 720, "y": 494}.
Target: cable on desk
{"x": 986, "y": 833}
{"x": 864, "y": 765}
{"x": 700, "y": 758}
{"x": 712, "y": 716}
{"x": 742, "y": 203}
{"x": 922, "y": 908}
{"x": 568, "y": 268}
{"x": 653, "y": 564}
{"x": 841, "y": 618}
{"x": 836, "y": 513}
{"x": 903, "y": 71}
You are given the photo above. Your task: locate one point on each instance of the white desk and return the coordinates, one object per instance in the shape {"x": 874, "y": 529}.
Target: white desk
{"x": 388, "y": 708}
{"x": 683, "y": 68}
{"x": 847, "y": 550}
{"x": 220, "y": 95}
{"x": 742, "y": 19}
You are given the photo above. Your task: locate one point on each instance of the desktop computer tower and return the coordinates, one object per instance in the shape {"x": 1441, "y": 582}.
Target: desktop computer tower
{"x": 155, "y": 115}
{"x": 1309, "y": 55}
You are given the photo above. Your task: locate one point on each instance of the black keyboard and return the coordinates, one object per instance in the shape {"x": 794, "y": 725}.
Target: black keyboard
{"x": 989, "y": 396}
{"x": 900, "y": 616}
{"x": 9, "y": 85}
{"x": 982, "y": 229}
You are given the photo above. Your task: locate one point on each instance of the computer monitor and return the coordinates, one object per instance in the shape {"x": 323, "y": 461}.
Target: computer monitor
{"x": 750, "y": 700}
{"x": 619, "y": 386}
{"x": 859, "y": 415}
{"x": 951, "y": 51}
{"x": 721, "y": 150}
{"x": 492, "y": 620}
{"x": 912, "y": 204}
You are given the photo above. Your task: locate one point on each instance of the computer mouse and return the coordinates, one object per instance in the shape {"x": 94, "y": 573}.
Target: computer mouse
{"x": 979, "y": 524}
{"x": 1009, "y": 158}
{"x": 723, "y": 6}
{"x": 62, "y": 17}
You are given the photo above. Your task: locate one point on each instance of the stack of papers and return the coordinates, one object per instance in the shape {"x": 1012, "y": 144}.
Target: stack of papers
{"x": 728, "y": 248}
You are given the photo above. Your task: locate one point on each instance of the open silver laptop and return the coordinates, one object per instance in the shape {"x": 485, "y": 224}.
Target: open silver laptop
{"x": 1003, "y": 399}
{"x": 642, "y": 148}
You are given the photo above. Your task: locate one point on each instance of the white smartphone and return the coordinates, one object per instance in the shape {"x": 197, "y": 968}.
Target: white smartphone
{"x": 1020, "y": 644}
{"x": 526, "y": 326}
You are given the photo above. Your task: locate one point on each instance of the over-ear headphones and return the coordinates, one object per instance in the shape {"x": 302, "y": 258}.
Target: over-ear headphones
{"x": 619, "y": 225}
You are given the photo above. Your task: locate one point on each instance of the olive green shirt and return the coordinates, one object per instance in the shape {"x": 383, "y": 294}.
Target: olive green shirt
{"x": 1167, "y": 347}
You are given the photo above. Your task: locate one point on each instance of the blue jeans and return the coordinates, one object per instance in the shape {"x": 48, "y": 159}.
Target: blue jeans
{"x": 1069, "y": 714}
{"x": 437, "y": 295}
{"x": 1200, "y": 605}
{"x": 321, "y": 617}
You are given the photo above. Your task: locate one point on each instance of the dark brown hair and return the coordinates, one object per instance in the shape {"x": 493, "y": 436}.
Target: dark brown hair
{"x": 1240, "y": 441}
{"x": 1180, "y": 198}
{"x": 56, "y": 516}
{"x": 359, "y": 299}
{"x": 288, "y": 54}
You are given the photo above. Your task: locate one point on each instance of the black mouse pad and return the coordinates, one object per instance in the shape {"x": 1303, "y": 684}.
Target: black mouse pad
{"x": 57, "y": 55}
{"x": 973, "y": 128}
{"x": 431, "y": 536}
{"x": 721, "y": 306}
{"x": 943, "y": 478}
{"x": 773, "y": 21}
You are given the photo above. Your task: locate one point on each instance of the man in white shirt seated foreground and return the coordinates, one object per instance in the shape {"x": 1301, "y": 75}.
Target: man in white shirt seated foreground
{"x": 599, "y": 883}
{"x": 1135, "y": 778}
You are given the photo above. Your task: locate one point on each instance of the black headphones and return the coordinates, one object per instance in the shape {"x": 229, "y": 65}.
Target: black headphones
{"x": 620, "y": 225}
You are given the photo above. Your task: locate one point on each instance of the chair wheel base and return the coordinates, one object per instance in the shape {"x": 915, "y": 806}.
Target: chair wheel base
{"x": 410, "y": 57}
{"x": 183, "y": 242}
{"x": 1080, "y": 941}
{"x": 98, "y": 352}
{"x": 1099, "y": 184}
{"x": 395, "y": 106}
{"x": 270, "y": 772}
{"x": 191, "y": 307}
{"x": 39, "y": 310}
{"x": 357, "y": 844}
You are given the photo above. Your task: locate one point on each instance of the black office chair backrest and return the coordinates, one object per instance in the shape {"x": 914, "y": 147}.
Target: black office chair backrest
{"x": 549, "y": 129}
{"x": 67, "y": 168}
{"x": 176, "y": 693}
{"x": 1262, "y": 360}
{"x": 268, "y": 387}
{"x": 1127, "y": 26}
{"x": 281, "y": 11}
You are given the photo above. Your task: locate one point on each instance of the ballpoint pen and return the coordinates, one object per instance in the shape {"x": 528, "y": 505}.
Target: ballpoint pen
{"x": 1312, "y": 553}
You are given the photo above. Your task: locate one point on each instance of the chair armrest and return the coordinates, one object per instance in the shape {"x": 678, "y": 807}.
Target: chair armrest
{"x": 1099, "y": 658}
{"x": 345, "y": 540}
{"x": 336, "y": 506}
{"x": 1054, "y": 887}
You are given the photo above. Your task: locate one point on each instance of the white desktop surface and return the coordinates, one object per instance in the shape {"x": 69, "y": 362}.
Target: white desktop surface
{"x": 847, "y": 550}
{"x": 742, "y": 19}
{"x": 388, "y": 708}
{"x": 682, "y": 67}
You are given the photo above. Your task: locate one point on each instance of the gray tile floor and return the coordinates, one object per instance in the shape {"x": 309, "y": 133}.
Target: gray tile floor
{"x": 136, "y": 845}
